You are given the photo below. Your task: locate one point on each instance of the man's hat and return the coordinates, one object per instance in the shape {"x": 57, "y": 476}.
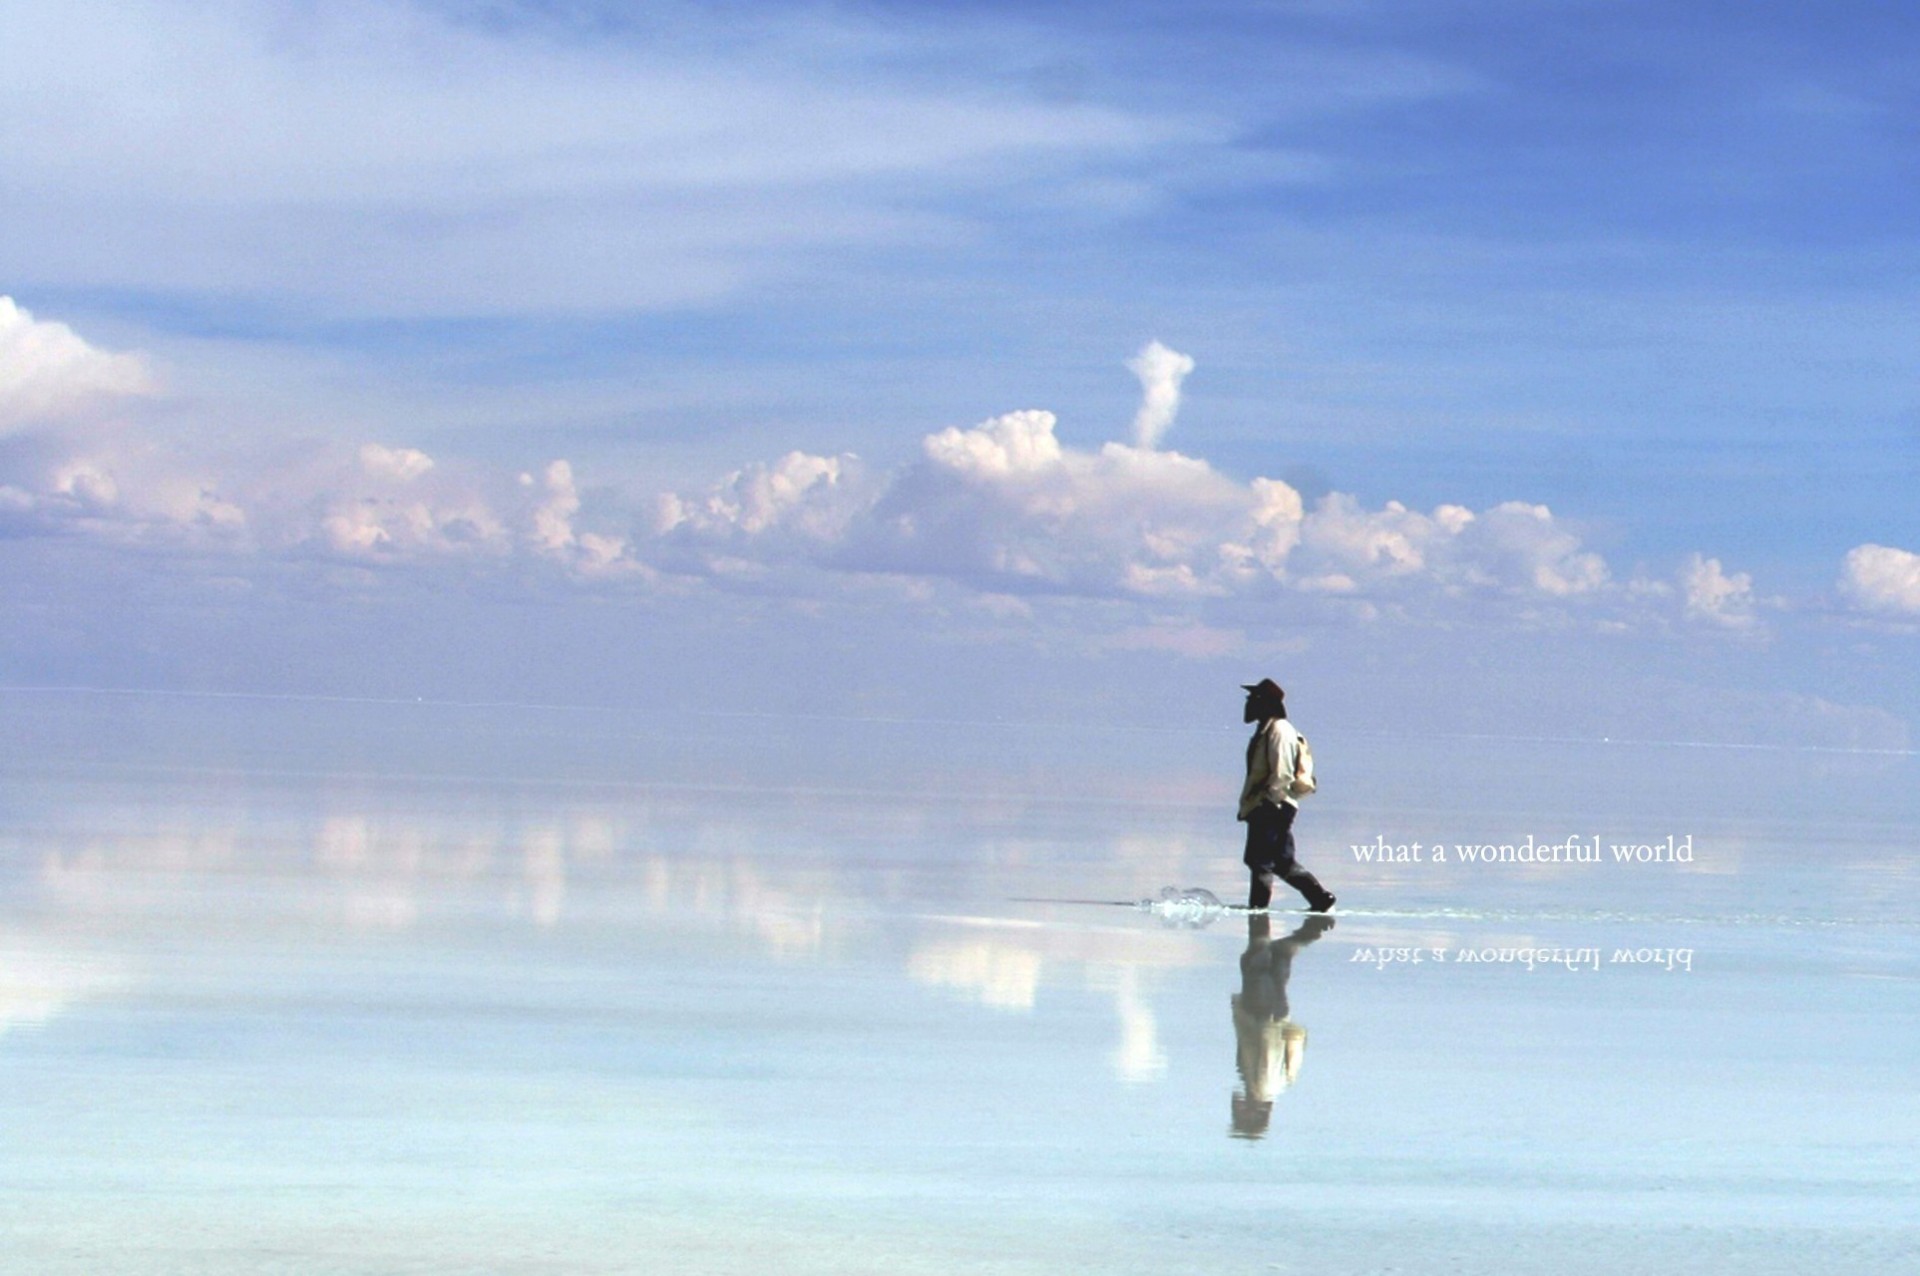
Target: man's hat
{"x": 1264, "y": 687}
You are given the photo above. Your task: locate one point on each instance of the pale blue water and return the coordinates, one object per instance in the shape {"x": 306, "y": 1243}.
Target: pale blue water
{"x": 374, "y": 989}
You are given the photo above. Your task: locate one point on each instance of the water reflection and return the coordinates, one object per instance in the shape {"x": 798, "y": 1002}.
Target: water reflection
{"x": 1268, "y": 1046}
{"x": 109, "y": 854}
{"x": 999, "y": 975}
{"x": 39, "y": 982}
{"x": 1006, "y": 964}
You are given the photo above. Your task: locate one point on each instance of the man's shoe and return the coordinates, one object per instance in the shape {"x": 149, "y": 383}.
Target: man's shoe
{"x": 1325, "y": 905}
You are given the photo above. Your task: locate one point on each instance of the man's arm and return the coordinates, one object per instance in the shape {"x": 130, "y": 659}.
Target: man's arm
{"x": 1286, "y": 755}
{"x": 1260, "y": 769}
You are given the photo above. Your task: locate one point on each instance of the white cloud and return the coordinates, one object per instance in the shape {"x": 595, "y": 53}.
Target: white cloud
{"x": 126, "y": 480}
{"x": 1003, "y": 510}
{"x": 372, "y": 505}
{"x": 370, "y": 513}
{"x": 1882, "y": 578}
{"x": 760, "y": 522}
{"x": 553, "y": 516}
{"x": 1006, "y": 508}
{"x": 1714, "y": 596}
{"x": 1514, "y": 549}
{"x": 402, "y": 158}
{"x": 554, "y": 535}
{"x": 388, "y": 529}
{"x": 47, "y": 372}
{"x": 1346, "y": 542}
{"x": 401, "y": 464}
{"x": 1161, "y": 371}
{"x": 1520, "y": 546}
{"x": 122, "y": 491}
{"x": 806, "y": 493}
{"x": 1016, "y": 443}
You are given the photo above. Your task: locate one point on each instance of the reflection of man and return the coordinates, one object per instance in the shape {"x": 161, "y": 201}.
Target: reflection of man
{"x": 1269, "y": 1047}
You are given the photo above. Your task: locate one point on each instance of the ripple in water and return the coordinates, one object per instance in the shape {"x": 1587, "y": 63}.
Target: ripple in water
{"x": 1190, "y": 906}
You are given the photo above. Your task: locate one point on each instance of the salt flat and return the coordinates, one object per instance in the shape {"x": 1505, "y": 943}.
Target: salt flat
{"x": 264, "y": 1007}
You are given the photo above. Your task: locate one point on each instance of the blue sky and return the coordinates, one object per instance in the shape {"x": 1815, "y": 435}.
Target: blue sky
{"x": 685, "y": 339}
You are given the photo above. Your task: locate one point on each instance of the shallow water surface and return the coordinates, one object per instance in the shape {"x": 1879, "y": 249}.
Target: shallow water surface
{"x": 259, "y": 1019}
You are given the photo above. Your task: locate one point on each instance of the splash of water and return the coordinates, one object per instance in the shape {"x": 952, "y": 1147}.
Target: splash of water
{"x": 1191, "y": 906}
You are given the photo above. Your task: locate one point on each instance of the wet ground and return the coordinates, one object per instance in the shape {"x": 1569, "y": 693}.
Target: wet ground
{"x": 260, "y": 1012}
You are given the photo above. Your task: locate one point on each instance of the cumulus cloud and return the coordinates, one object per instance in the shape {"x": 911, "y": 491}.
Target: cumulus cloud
{"x": 812, "y": 496}
{"x": 1016, "y": 443}
{"x": 403, "y": 464}
{"x": 79, "y": 461}
{"x": 554, "y": 535}
{"x": 1005, "y": 508}
{"x": 759, "y": 520}
{"x": 1005, "y": 511}
{"x": 48, "y": 372}
{"x": 1714, "y": 596}
{"x": 1160, "y": 371}
{"x": 1340, "y": 547}
{"x": 383, "y": 527}
{"x": 1882, "y": 578}
{"x": 378, "y": 510}
{"x": 121, "y": 479}
{"x": 124, "y": 492}
{"x": 123, "y": 482}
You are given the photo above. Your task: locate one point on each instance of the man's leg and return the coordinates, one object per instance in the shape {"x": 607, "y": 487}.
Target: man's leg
{"x": 1288, "y": 868}
{"x": 1316, "y": 895}
{"x": 1263, "y": 845}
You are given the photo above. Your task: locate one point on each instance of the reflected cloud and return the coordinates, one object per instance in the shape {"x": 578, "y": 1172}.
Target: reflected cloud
{"x": 1269, "y": 1048}
{"x": 1006, "y": 971}
{"x": 377, "y": 876}
{"x": 1139, "y": 1058}
{"x": 358, "y": 869}
{"x": 998, "y": 975}
{"x": 787, "y": 920}
{"x": 212, "y": 865}
{"x": 36, "y": 984}
{"x": 544, "y": 862}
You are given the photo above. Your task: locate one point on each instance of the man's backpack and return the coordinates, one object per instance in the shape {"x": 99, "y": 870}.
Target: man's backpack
{"x": 1303, "y": 781}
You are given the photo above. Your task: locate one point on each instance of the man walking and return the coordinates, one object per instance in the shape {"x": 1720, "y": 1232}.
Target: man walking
{"x": 1270, "y": 799}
